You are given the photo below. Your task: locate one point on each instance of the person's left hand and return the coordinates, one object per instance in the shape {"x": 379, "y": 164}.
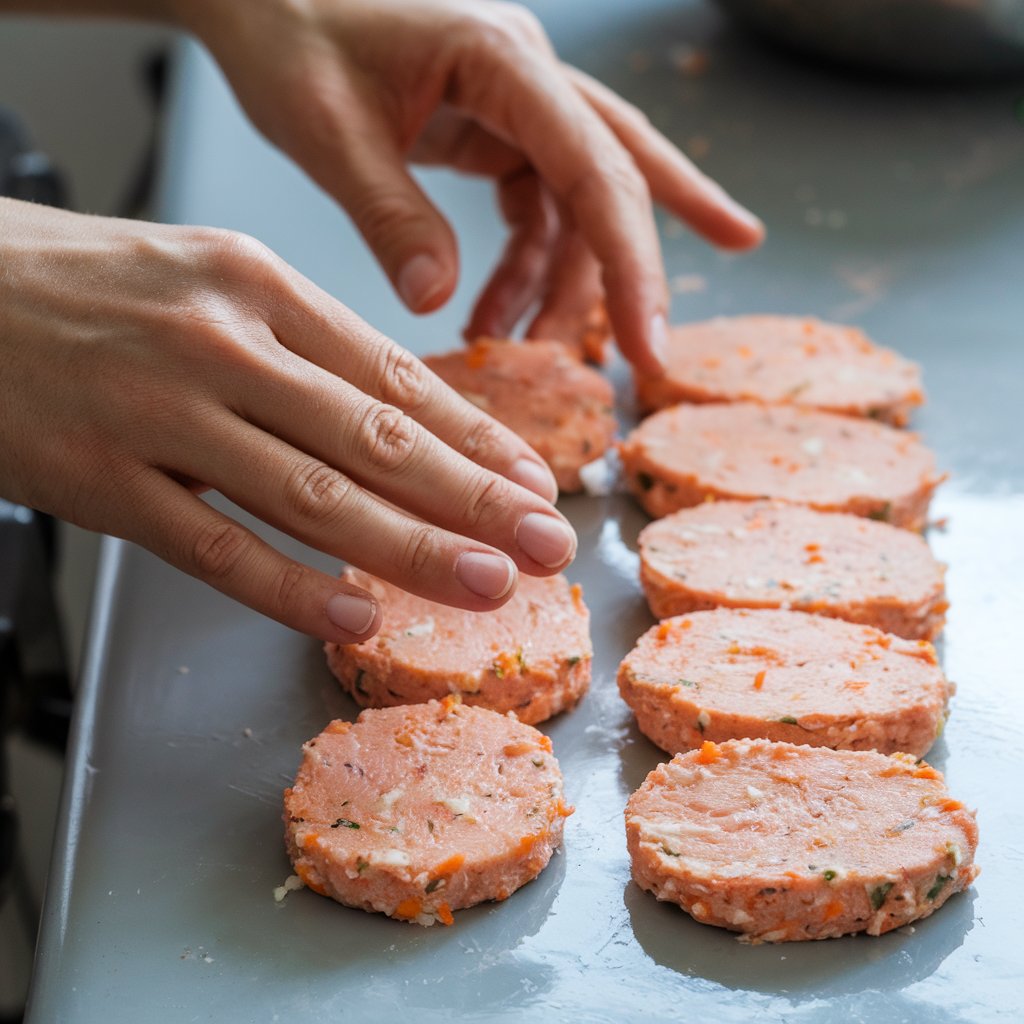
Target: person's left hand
{"x": 354, "y": 89}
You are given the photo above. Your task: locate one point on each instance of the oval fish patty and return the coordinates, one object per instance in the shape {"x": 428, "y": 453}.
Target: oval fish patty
{"x": 689, "y": 454}
{"x": 532, "y": 656}
{"x": 785, "y": 360}
{"x": 784, "y": 842}
{"x": 783, "y": 675}
{"x": 417, "y": 811}
{"x": 563, "y": 409}
{"x": 767, "y": 555}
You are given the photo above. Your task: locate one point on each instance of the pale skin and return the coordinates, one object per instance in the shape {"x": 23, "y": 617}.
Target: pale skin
{"x": 141, "y": 364}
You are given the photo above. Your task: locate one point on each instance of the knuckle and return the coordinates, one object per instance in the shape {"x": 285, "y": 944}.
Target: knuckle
{"x": 504, "y": 30}
{"x": 388, "y": 438}
{"x": 403, "y": 380}
{"x": 234, "y": 254}
{"x": 316, "y": 493}
{"x": 482, "y": 439}
{"x": 619, "y": 178}
{"x": 383, "y": 213}
{"x": 218, "y": 550}
{"x": 622, "y": 177}
{"x": 420, "y": 548}
{"x": 290, "y": 582}
{"x": 522, "y": 23}
{"x": 486, "y": 501}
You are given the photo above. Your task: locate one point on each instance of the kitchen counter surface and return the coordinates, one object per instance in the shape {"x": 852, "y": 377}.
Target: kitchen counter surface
{"x": 895, "y": 206}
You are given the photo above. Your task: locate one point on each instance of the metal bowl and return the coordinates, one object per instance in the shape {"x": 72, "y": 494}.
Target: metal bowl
{"x": 935, "y": 38}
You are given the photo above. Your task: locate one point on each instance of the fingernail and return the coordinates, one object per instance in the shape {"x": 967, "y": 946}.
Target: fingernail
{"x": 486, "y": 575}
{"x": 534, "y": 477}
{"x": 546, "y": 539}
{"x": 351, "y": 612}
{"x": 657, "y": 338}
{"x": 419, "y": 280}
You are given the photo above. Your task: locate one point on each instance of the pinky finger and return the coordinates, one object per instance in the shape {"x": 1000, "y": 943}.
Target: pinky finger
{"x": 186, "y": 532}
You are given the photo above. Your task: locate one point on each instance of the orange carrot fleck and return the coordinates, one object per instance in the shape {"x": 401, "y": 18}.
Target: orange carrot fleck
{"x": 310, "y": 840}
{"x": 545, "y": 743}
{"x": 833, "y": 910}
{"x": 664, "y": 632}
{"x": 812, "y": 548}
{"x": 951, "y": 805}
{"x": 528, "y": 842}
{"x": 404, "y": 739}
{"x": 444, "y": 914}
{"x": 576, "y": 592}
{"x": 517, "y": 748}
{"x": 506, "y": 664}
{"x": 408, "y": 909}
{"x": 759, "y": 679}
{"x": 925, "y": 652}
{"x": 686, "y": 624}
{"x": 745, "y": 352}
{"x": 709, "y": 753}
{"x": 855, "y": 684}
{"x": 306, "y": 874}
{"x": 926, "y": 771}
{"x": 339, "y": 727}
{"x": 450, "y": 864}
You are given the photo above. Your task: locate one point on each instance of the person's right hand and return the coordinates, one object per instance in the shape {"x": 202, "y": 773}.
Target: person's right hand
{"x": 140, "y": 364}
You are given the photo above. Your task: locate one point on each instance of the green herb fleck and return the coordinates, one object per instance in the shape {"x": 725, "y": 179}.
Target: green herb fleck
{"x": 498, "y": 670}
{"x": 645, "y": 480}
{"x": 359, "y": 682}
{"x": 878, "y": 895}
{"x": 345, "y": 823}
{"x": 521, "y": 658}
{"x": 688, "y": 682}
{"x": 668, "y": 853}
{"x": 430, "y": 825}
{"x": 361, "y": 865}
{"x": 881, "y": 514}
{"x": 940, "y": 884}
{"x": 432, "y": 884}
{"x": 829, "y": 875}
{"x": 538, "y": 762}
{"x": 574, "y": 660}
{"x": 788, "y": 720}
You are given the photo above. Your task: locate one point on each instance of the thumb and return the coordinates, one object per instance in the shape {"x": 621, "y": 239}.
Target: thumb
{"x": 411, "y": 239}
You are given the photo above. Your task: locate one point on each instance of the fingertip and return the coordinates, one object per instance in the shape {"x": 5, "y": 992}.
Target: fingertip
{"x": 423, "y": 283}
{"x": 355, "y": 615}
{"x": 487, "y": 574}
{"x": 534, "y": 476}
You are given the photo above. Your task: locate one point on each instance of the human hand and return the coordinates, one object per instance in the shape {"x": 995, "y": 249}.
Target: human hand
{"x": 355, "y": 89}
{"x": 140, "y": 364}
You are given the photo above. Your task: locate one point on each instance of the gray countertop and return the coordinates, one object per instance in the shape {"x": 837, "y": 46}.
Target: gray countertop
{"x": 895, "y": 206}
